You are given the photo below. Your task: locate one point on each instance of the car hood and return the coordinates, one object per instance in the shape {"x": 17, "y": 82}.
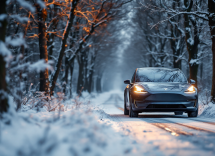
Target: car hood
{"x": 164, "y": 86}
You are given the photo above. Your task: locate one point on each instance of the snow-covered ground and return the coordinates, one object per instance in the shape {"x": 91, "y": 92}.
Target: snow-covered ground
{"x": 79, "y": 130}
{"x": 207, "y": 110}
{"x": 95, "y": 125}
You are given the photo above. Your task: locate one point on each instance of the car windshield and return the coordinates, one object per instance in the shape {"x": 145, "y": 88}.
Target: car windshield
{"x": 160, "y": 75}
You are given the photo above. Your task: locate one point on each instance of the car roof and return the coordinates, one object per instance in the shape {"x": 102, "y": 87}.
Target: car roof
{"x": 172, "y": 69}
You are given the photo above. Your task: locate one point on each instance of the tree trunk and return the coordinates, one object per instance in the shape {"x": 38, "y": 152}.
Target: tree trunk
{"x": 177, "y": 63}
{"x": 91, "y": 72}
{"x": 44, "y": 75}
{"x": 72, "y": 61}
{"x": 90, "y": 86}
{"x": 52, "y": 35}
{"x": 22, "y": 50}
{"x": 3, "y": 85}
{"x": 211, "y": 8}
{"x": 175, "y": 49}
{"x": 80, "y": 74}
{"x": 50, "y": 45}
{"x": 71, "y": 67}
{"x": 65, "y": 78}
{"x": 86, "y": 70}
{"x": 175, "y": 34}
{"x": 192, "y": 44}
{"x": 98, "y": 84}
{"x": 63, "y": 44}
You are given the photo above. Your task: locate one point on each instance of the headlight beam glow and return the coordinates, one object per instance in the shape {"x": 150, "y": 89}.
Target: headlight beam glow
{"x": 138, "y": 89}
{"x": 191, "y": 89}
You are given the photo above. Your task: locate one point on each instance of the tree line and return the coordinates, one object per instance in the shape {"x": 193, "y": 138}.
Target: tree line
{"x": 41, "y": 40}
{"x": 179, "y": 34}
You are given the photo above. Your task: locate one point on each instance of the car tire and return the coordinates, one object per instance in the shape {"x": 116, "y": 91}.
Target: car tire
{"x": 126, "y": 111}
{"x": 193, "y": 114}
{"x": 132, "y": 114}
{"x": 178, "y": 113}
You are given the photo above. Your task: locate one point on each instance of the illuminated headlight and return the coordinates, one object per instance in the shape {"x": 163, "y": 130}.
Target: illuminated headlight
{"x": 138, "y": 89}
{"x": 191, "y": 89}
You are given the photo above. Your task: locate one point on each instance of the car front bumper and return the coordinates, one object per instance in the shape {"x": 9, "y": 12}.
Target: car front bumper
{"x": 164, "y": 106}
{"x": 164, "y": 102}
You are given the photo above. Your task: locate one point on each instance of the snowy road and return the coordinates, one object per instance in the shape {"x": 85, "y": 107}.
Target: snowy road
{"x": 164, "y": 133}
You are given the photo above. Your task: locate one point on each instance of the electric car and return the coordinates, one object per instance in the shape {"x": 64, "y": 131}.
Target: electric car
{"x": 155, "y": 89}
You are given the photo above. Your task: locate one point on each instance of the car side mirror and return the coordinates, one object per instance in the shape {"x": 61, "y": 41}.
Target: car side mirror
{"x": 192, "y": 81}
{"x": 127, "y": 82}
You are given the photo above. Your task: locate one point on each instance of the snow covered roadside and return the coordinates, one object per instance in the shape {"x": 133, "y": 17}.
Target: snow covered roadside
{"x": 77, "y": 131}
{"x": 206, "y": 107}
{"x": 207, "y": 110}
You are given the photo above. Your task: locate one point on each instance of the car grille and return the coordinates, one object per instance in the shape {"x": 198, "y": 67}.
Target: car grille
{"x": 165, "y": 106}
{"x": 166, "y": 98}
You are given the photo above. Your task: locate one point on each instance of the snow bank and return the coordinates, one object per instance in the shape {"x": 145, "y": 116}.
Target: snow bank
{"x": 77, "y": 131}
{"x": 206, "y": 107}
{"x": 207, "y": 110}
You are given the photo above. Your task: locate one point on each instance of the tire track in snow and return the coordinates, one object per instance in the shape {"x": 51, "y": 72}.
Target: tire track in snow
{"x": 190, "y": 126}
{"x": 205, "y": 121}
{"x": 172, "y": 130}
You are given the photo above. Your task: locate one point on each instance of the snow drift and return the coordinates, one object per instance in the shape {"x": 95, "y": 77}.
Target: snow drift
{"x": 76, "y": 131}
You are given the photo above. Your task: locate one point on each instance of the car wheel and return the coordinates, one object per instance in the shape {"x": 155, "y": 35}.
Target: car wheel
{"x": 126, "y": 111}
{"x": 131, "y": 112}
{"x": 193, "y": 114}
{"x": 178, "y": 113}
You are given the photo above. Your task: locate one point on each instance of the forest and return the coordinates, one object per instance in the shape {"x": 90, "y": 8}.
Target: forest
{"x": 61, "y": 48}
{"x": 43, "y": 41}
{"x": 65, "y": 77}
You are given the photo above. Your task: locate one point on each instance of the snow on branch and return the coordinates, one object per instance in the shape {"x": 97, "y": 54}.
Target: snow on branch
{"x": 26, "y": 5}
{"x": 194, "y": 61}
{"x": 3, "y": 17}
{"x": 180, "y": 13}
{"x": 15, "y": 41}
{"x": 41, "y": 65}
{"x": 38, "y": 66}
{"x": 20, "y": 19}
{"x": 41, "y": 3}
{"x": 173, "y": 13}
{"x": 4, "y": 51}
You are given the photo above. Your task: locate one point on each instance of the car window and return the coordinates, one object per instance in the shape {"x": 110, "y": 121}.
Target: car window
{"x": 160, "y": 75}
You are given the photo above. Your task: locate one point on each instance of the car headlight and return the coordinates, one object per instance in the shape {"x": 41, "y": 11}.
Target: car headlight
{"x": 138, "y": 89}
{"x": 191, "y": 89}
